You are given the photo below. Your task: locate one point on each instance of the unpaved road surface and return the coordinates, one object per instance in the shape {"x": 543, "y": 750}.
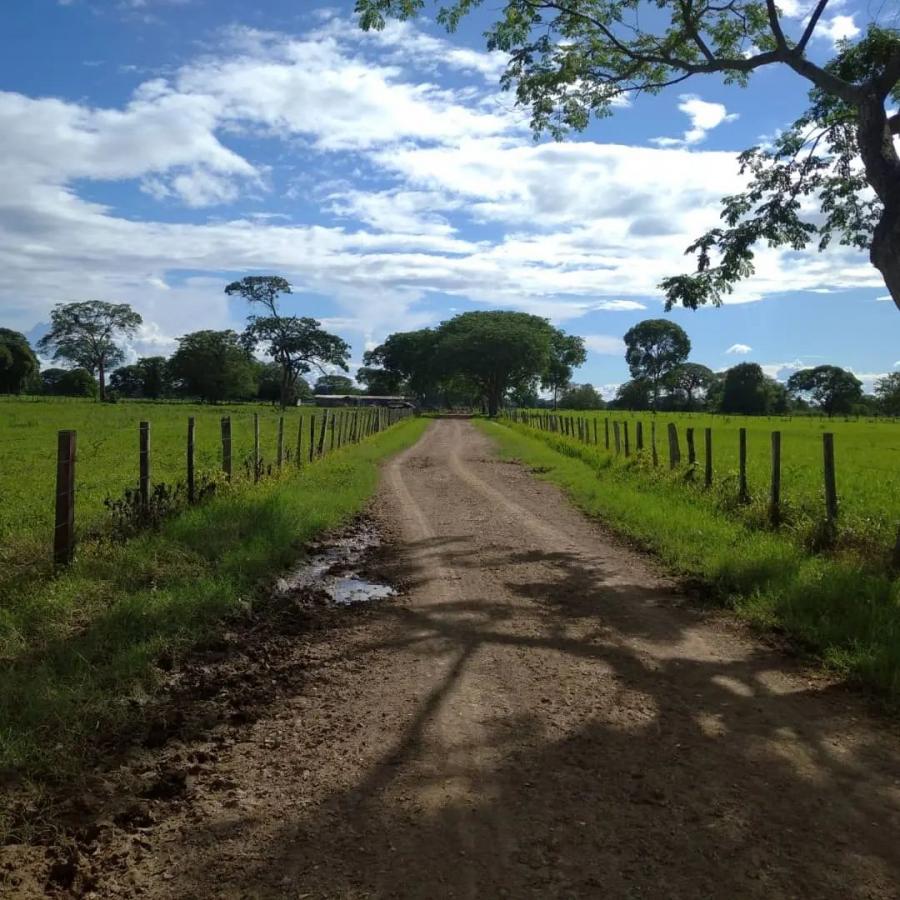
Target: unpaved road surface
{"x": 540, "y": 714}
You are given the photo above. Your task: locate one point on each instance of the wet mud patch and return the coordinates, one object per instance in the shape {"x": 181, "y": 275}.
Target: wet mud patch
{"x": 336, "y": 570}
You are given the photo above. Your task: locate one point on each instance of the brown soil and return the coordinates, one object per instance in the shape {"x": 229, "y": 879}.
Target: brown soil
{"x": 540, "y": 714}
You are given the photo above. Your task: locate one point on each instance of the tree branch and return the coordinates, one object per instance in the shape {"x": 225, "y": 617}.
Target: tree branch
{"x": 811, "y": 25}
{"x": 775, "y": 25}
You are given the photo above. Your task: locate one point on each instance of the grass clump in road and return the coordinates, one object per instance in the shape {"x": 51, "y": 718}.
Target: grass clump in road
{"x": 78, "y": 653}
{"x": 841, "y": 608}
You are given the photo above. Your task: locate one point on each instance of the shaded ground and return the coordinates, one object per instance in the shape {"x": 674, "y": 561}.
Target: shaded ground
{"x": 538, "y": 715}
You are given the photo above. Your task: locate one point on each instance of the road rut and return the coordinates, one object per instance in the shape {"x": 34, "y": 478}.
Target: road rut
{"x": 541, "y": 714}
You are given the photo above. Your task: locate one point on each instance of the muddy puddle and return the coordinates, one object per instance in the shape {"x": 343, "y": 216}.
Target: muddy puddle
{"x": 332, "y": 571}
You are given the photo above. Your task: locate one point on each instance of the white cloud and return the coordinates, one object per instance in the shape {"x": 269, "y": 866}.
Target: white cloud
{"x": 838, "y": 28}
{"x": 704, "y": 116}
{"x": 605, "y": 344}
{"x": 740, "y": 349}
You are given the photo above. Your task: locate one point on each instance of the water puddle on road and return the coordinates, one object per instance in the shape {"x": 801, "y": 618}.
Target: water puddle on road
{"x": 331, "y": 573}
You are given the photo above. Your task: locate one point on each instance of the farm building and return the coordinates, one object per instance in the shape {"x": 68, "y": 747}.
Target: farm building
{"x": 392, "y": 402}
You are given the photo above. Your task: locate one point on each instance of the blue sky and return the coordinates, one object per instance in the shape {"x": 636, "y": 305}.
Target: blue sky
{"x": 156, "y": 149}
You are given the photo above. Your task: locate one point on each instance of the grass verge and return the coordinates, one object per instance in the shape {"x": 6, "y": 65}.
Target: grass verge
{"x": 843, "y": 610}
{"x": 78, "y": 653}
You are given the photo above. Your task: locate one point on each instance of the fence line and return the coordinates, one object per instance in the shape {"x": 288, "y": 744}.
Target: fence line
{"x": 349, "y": 427}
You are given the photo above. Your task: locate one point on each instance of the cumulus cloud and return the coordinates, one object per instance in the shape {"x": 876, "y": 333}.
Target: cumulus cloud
{"x": 740, "y": 349}
{"x": 605, "y": 344}
{"x": 838, "y": 28}
{"x": 704, "y": 116}
{"x": 562, "y": 230}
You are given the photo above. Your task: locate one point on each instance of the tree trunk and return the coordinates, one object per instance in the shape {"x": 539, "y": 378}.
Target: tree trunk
{"x": 101, "y": 378}
{"x": 882, "y": 165}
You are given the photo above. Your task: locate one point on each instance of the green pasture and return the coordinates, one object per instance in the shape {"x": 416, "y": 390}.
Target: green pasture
{"x": 867, "y": 463}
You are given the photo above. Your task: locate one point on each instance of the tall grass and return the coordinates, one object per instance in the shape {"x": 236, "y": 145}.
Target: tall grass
{"x": 78, "y": 652}
{"x": 840, "y": 607}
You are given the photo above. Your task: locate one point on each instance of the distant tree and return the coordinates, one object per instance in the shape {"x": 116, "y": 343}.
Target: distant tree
{"x": 745, "y": 390}
{"x": 69, "y": 383}
{"x": 831, "y": 388}
{"x": 214, "y": 366}
{"x": 654, "y": 349}
{"x": 494, "y": 350}
{"x": 581, "y": 396}
{"x": 148, "y": 378}
{"x": 408, "y": 356}
{"x": 335, "y": 384}
{"x": 18, "y": 364}
{"x": 525, "y": 395}
{"x": 778, "y": 399}
{"x": 566, "y": 354}
{"x": 381, "y": 382}
{"x": 636, "y": 394}
{"x": 85, "y": 334}
{"x": 887, "y": 391}
{"x": 690, "y": 380}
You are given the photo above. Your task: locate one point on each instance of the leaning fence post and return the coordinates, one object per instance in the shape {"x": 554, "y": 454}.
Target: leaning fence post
{"x": 831, "y": 503}
{"x": 256, "y": 446}
{"x": 674, "y": 451}
{"x": 653, "y": 442}
{"x": 692, "y": 450}
{"x": 312, "y": 436}
{"x": 144, "y": 482}
{"x": 638, "y": 436}
{"x": 226, "y": 446}
{"x": 321, "y": 447}
{"x": 775, "y": 494}
{"x": 618, "y": 438}
{"x": 191, "y": 488}
{"x": 625, "y": 431}
{"x": 280, "y": 454}
{"x": 708, "y": 462}
{"x": 64, "y": 530}
{"x": 743, "y": 492}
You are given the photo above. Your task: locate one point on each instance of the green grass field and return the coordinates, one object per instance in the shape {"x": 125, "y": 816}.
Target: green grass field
{"x": 107, "y": 461}
{"x": 867, "y": 461}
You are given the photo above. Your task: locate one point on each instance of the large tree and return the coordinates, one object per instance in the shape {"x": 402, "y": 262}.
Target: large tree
{"x": 831, "y": 388}
{"x": 297, "y": 344}
{"x": 69, "y": 383}
{"x": 636, "y": 394}
{"x": 85, "y": 334}
{"x": 654, "y": 349}
{"x": 18, "y": 364}
{"x": 407, "y": 356}
{"x": 887, "y": 390}
{"x": 148, "y": 378}
{"x": 745, "y": 390}
{"x": 494, "y": 350}
{"x": 581, "y": 396}
{"x": 566, "y": 353}
{"x": 381, "y": 382}
{"x": 214, "y": 366}
{"x": 571, "y": 59}
{"x": 335, "y": 384}
{"x": 690, "y": 379}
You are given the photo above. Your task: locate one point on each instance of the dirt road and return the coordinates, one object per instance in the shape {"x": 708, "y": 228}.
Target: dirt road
{"x": 540, "y": 714}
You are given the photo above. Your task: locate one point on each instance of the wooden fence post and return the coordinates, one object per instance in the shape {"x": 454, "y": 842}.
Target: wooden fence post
{"x": 708, "y": 461}
{"x": 653, "y": 442}
{"x": 300, "y": 442}
{"x": 625, "y": 431}
{"x": 191, "y": 485}
{"x": 692, "y": 450}
{"x": 321, "y": 448}
{"x": 606, "y": 432}
{"x": 674, "y": 450}
{"x": 332, "y": 432}
{"x": 144, "y": 482}
{"x": 831, "y": 502}
{"x": 595, "y": 433}
{"x": 312, "y": 436}
{"x": 639, "y": 436}
{"x": 618, "y": 438}
{"x": 226, "y": 446}
{"x": 256, "y": 447}
{"x": 895, "y": 561}
{"x": 775, "y": 493}
{"x": 279, "y": 456}
{"x": 64, "y": 526}
{"x": 743, "y": 491}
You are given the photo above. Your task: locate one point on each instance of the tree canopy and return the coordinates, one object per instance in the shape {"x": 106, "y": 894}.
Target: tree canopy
{"x": 582, "y": 396}
{"x": 654, "y": 349}
{"x": 18, "y": 364}
{"x": 570, "y": 60}
{"x": 214, "y": 366}
{"x": 744, "y": 390}
{"x": 85, "y": 334}
{"x": 69, "y": 383}
{"x": 566, "y": 354}
{"x": 832, "y": 389}
{"x": 335, "y": 384}
{"x": 148, "y": 378}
